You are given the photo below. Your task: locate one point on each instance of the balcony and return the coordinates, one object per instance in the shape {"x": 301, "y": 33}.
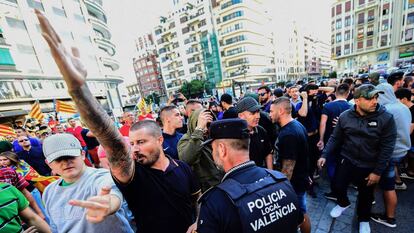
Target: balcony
{"x": 112, "y": 63}
{"x": 105, "y": 45}
{"x": 100, "y": 26}
{"x": 95, "y": 6}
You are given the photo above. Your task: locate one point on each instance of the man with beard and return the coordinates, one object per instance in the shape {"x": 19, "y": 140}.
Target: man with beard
{"x": 236, "y": 204}
{"x": 159, "y": 191}
{"x": 365, "y": 136}
{"x": 292, "y": 152}
{"x": 265, "y": 99}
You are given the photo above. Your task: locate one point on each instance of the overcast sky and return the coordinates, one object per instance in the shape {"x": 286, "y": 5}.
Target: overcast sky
{"x": 130, "y": 18}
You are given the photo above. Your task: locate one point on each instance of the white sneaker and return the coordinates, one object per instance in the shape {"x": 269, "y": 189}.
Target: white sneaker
{"x": 364, "y": 227}
{"x": 401, "y": 186}
{"x": 338, "y": 210}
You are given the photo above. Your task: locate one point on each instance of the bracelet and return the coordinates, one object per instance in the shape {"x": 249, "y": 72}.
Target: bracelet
{"x": 201, "y": 129}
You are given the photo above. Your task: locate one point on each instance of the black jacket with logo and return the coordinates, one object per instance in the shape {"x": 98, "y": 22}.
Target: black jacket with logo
{"x": 367, "y": 141}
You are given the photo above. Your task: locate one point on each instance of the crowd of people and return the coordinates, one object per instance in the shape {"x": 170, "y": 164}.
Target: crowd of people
{"x": 242, "y": 164}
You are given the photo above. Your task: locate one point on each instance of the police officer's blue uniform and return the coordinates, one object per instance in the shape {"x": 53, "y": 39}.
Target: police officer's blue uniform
{"x": 250, "y": 199}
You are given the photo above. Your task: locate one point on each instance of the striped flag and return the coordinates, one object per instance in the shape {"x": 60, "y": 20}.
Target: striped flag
{"x": 141, "y": 104}
{"x": 36, "y": 112}
{"x": 6, "y": 130}
{"x": 63, "y": 107}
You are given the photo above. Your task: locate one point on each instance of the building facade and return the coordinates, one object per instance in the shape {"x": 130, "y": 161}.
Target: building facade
{"x": 146, "y": 67}
{"x": 246, "y": 48}
{"x": 187, "y": 45}
{"x": 317, "y": 57}
{"x": 372, "y": 35}
{"x": 27, "y": 69}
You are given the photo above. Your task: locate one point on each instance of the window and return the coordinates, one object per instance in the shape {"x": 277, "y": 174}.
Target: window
{"x": 59, "y": 11}
{"x": 410, "y": 4}
{"x": 79, "y": 17}
{"x": 386, "y": 9}
{"x": 360, "y": 45}
{"x": 338, "y": 51}
{"x": 35, "y": 5}
{"x": 347, "y": 35}
{"x": 361, "y": 18}
{"x": 232, "y": 16}
{"x": 410, "y": 18}
{"x": 202, "y": 23}
{"x": 338, "y": 24}
{"x": 347, "y": 6}
{"x": 185, "y": 30}
{"x": 5, "y": 57}
{"x": 347, "y": 21}
{"x": 347, "y": 50}
{"x": 15, "y": 23}
{"x": 333, "y": 12}
{"x": 369, "y": 43}
{"x": 371, "y": 15}
{"x": 230, "y": 3}
{"x": 338, "y": 38}
{"x": 360, "y": 33}
{"x": 235, "y": 39}
{"x": 409, "y": 34}
{"x": 238, "y": 62}
{"x": 338, "y": 9}
{"x": 370, "y": 30}
{"x": 361, "y": 2}
{"x": 183, "y": 19}
{"x": 25, "y": 49}
{"x": 384, "y": 41}
{"x": 384, "y": 25}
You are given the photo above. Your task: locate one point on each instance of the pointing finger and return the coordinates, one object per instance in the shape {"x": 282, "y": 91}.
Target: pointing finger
{"x": 86, "y": 204}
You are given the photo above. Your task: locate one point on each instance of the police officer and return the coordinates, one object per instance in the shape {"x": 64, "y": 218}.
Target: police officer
{"x": 249, "y": 198}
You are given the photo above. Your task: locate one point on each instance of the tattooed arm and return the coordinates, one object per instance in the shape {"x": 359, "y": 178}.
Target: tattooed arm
{"x": 92, "y": 113}
{"x": 287, "y": 167}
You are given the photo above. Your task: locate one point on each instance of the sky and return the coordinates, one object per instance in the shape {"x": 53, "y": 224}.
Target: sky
{"x": 128, "y": 19}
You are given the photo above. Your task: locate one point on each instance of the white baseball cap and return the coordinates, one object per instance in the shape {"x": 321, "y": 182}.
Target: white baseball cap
{"x": 60, "y": 145}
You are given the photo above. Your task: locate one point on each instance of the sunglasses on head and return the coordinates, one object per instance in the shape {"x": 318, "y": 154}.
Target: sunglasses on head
{"x": 24, "y": 140}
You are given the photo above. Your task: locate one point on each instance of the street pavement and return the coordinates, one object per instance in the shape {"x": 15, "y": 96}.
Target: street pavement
{"x": 319, "y": 208}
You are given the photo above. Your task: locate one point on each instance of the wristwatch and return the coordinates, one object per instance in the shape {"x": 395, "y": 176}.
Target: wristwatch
{"x": 201, "y": 129}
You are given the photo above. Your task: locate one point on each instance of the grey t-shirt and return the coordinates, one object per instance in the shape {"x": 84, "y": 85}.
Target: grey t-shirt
{"x": 68, "y": 218}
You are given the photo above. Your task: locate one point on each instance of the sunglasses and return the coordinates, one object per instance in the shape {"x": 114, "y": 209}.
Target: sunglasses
{"x": 24, "y": 140}
{"x": 262, "y": 94}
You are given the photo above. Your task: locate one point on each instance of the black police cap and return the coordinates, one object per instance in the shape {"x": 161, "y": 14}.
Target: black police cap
{"x": 233, "y": 128}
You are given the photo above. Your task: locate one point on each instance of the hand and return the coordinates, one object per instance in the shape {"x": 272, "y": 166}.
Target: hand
{"x": 304, "y": 95}
{"x": 192, "y": 228}
{"x": 321, "y": 162}
{"x": 97, "y": 207}
{"x": 335, "y": 121}
{"x": 204, "y": 118}
{"x": 69, "y": 64}
{"x": 320, "y": 145}
{"x": 31, "y": 229}
{"x": 181, "y": 96}
{"x": 170, "y": 99}
{"x": 372, "y": 179}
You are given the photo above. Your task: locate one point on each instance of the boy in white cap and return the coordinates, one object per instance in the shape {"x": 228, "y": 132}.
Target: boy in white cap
{"x": 100, "y": 212}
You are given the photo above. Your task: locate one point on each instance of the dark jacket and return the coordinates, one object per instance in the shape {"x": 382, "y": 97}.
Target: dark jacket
{"x": 367, "y": 141}
{"x": 199, "y": 158}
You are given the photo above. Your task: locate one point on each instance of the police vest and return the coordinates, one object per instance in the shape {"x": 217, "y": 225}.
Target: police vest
{"x": 267, "y": 205}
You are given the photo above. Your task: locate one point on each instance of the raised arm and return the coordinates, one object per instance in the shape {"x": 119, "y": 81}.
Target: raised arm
{"x": 92, "y": 113}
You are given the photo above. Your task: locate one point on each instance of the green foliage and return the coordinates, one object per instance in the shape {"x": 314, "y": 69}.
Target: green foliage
{"x": 152, "y": 98}
{"x": 333, "y": 74}
{"x": 196, "y": 88}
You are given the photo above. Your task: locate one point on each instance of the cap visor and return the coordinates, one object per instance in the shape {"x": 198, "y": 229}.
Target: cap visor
{"x": 208, "y": 141}
{"x": 373, "y": 93}
{"x": 63, "y": 153}
{"x": 254, "y": 108}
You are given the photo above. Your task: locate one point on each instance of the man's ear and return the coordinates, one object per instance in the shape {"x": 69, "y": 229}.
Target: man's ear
{"x": 83, "y": 154}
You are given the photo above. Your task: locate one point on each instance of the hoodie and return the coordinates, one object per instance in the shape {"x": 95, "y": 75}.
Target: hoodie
{"x": 402, "y": 118}
{"x": 199, "y": 158}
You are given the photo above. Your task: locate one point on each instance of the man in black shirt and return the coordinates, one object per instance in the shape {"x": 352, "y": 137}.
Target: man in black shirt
{"x": 292, "y": 151}
{"x": 226, "y": 102}
{"x": 260, "y": 150}
{"x": 160, "y": 191}
{"x": 33, "y": 156}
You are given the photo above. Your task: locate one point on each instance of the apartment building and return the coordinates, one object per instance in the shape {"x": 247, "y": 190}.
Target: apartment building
{"x": 317, "y": 57}
{"x": 372, "y": 35}
{"x": 27, "y": 69}
{"x": 187, "y": 45}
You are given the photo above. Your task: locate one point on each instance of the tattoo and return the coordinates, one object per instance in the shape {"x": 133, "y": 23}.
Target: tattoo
{"x": 287, "y": 167}
{"x": 101, "y": 125}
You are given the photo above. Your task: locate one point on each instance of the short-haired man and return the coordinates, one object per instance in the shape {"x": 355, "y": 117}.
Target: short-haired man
{"x": 396, "y": 80}
{"x": 226, "y": 101}
{"x": 404, "y": 95}
{"x": 161, "y": 192}
{"x": 237, "y": 204}
{"x": 20, "y": 131}
{"x": 365, "y": 136}
{"x": 171, "y": 121}
{"x": 265, "y": 97}
{"x": 77, "y": 183}
{"x": 190, "y": 106}
{"x": 33, "y": 156}
{"x": 76, "y": 130}
{"x": 260, "y": 149}
{"x": 128, "y": 119}
{"x": 59, "y": 128}
{"x": 292, "y": 152}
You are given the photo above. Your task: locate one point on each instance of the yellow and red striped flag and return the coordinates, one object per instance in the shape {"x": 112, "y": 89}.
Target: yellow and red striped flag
{"x": 6, "y": 130}
{"x": 65, "y": 107}
{"x": 36, "y": 112}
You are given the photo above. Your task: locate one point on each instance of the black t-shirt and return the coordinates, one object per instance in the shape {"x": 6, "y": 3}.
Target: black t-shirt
{"x": 333, "y": 110}
{"x": 35, "y": 158}
{"x": 161, "y": 200}
{"x": 292, "y": 144}
{"x": 260, "y": 146}
{"x": 230, "y": 113}
{"x": 91, "y": 142}
{"x": 412, "y": 122}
